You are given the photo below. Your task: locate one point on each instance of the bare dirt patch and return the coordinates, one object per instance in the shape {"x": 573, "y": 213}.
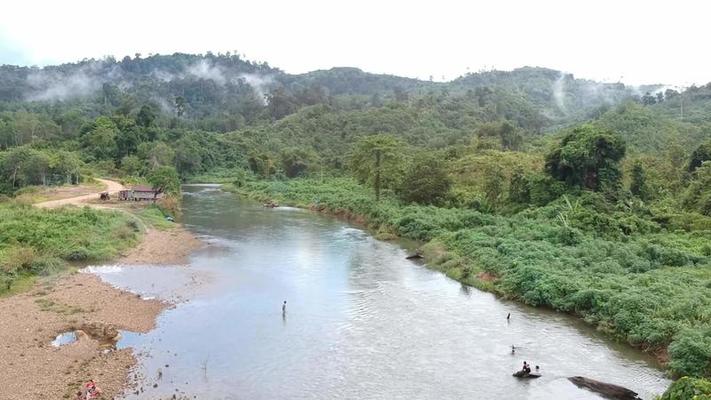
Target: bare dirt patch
{"x": 51, "y": 193}
{"x": 486, "y": 276}
{"x": 106, "y": 185}
{"x": 168, "y": 247}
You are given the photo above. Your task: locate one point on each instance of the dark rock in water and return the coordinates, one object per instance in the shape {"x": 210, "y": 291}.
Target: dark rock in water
{"x": 415, "y": 256}
{"x": 524, "y": 375}
{"x": 607, "y": 390}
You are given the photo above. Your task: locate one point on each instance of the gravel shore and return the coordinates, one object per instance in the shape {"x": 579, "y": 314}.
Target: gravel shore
{"x": 32, "y": 368}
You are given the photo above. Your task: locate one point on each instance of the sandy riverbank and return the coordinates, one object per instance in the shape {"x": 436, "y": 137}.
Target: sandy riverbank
{"x": 171, "y": 246}
{"x": 31, "y": 368}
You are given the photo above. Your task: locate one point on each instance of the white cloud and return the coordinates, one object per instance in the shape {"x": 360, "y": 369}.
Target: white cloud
{"x": 632, "y": 41}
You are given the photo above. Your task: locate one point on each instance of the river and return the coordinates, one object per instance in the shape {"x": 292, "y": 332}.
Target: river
{"x": 362, "y": 322}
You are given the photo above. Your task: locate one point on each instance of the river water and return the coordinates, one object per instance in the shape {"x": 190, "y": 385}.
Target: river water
{"x": 362, "y": 322}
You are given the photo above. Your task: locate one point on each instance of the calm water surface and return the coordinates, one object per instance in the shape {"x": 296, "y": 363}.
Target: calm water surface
{"x": 362, "y": 322}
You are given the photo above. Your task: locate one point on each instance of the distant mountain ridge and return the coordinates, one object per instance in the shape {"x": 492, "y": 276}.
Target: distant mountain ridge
{"x": 228, "y": 81}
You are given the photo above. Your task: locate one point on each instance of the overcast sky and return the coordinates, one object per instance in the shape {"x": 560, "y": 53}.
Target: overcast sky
{"x": 622, "y": 40}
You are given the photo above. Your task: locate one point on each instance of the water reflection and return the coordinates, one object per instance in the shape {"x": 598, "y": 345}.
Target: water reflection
{"x": 363, "y": 322}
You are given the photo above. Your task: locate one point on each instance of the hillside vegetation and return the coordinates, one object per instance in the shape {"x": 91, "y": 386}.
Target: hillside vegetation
{"x": 585, "y": 197}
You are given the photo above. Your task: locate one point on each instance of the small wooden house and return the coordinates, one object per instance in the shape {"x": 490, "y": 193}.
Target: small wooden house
{"x": 140, "y": 193}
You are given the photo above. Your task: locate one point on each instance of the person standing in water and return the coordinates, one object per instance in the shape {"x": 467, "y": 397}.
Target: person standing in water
{"x": 283, "y": 308}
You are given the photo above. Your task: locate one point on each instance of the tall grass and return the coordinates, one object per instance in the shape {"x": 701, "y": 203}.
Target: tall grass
{"x": 37, "y": 241}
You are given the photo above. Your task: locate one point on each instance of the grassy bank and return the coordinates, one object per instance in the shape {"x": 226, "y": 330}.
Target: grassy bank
{"x": 642, "y": 277}
{"x": 37, "y": 241}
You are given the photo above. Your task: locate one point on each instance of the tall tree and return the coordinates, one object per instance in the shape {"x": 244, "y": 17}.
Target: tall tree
{"x": 100, "y": 140}
{"x": 519, "y": 191}
{"x": 426, "y": 180}
{"x": 165, "y": 179}
{"x": 376, "y": 160}
{"x": 701, "y": 154}
{"x": 588, "y": 157}
{"x": 638, "y": 185}
{"x": 145, "y": 116}
{"x": 697, "y": 196}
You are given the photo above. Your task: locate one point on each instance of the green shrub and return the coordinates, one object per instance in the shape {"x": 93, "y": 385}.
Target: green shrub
{"x": 37, "y": 241}
{"x": 690, "y": 353}
{"x": 688, "y": 389}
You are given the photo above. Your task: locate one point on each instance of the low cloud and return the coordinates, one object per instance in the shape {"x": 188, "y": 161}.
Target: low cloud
{"x": 559, "y": 92}
{"x": 54, "y": 86}
{"x": 204, "y": 69}
{"x": 259, "y": 83}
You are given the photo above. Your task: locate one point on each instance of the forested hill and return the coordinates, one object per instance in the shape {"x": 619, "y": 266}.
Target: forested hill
{"x": 200, "y": 112}
{"x": 199, "y": 86}
{"x": 585, "y": 197}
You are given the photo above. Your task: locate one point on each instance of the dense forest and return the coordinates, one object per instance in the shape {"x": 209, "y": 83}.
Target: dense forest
{"x": 586, "y": 197}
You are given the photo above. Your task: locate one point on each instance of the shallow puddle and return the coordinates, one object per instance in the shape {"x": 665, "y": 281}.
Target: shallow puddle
{"x": 64, "y": 339}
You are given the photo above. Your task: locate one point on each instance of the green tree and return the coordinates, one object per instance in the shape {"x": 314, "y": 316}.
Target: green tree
{"x": 377, "y": 160}
{"x": 65, "y": 166}
{"x": 638, "y": 184}
{"x": 165, "y": 179}
{"x": 261, "y": 164}
{"x": 180, "y": 105}
{"x": 648, "y": 99}
{"x": 129, "y": 136}
{"x": 100, "y": 141}
{"x": 145, "y": 116}
{"x": 296, "y": 161}
{"x": 426, "y": 180}
{"x": 519, "y": 191}
{"x": 503, "y": 132}
{"x": 156, "y": 154}
{"x": 493, "y": 185}
{"x": 697, "y": 196}
{"x": 701, "y": 154}
{"x": 188, "y": 155}
{"x": 132, "y": 165}
{"x": 588, "y": 157}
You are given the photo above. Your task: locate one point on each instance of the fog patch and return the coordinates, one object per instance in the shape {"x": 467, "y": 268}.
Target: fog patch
{"x": 559, "y": 92}
{"x": 53, "y": 86}
{"x": 204, "y": 69}
{"x": 166, "y": 106}
{"x": 260, "y": 85}
{"x": 163, "y": 76}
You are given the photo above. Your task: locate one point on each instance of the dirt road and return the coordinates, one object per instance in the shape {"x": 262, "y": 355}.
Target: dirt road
{"x": 112, "y": 187}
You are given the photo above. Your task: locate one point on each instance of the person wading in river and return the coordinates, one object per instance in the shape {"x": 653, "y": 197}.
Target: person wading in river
{"x": 283, "y": 308}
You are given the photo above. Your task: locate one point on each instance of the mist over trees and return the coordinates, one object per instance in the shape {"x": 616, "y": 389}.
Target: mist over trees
{"x": 564, "y": 190}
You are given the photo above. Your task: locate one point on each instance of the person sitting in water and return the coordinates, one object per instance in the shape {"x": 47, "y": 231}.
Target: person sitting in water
{"x": 526, "y": 368}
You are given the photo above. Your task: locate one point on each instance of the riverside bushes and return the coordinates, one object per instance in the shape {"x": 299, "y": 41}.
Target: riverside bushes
{"x": 612, "y": 265}
{"x": 688, "y": 389}
{"x": 37, "y": 241}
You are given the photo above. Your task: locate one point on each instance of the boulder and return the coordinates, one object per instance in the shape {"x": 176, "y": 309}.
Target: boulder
{"x": 607, "y": 390}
